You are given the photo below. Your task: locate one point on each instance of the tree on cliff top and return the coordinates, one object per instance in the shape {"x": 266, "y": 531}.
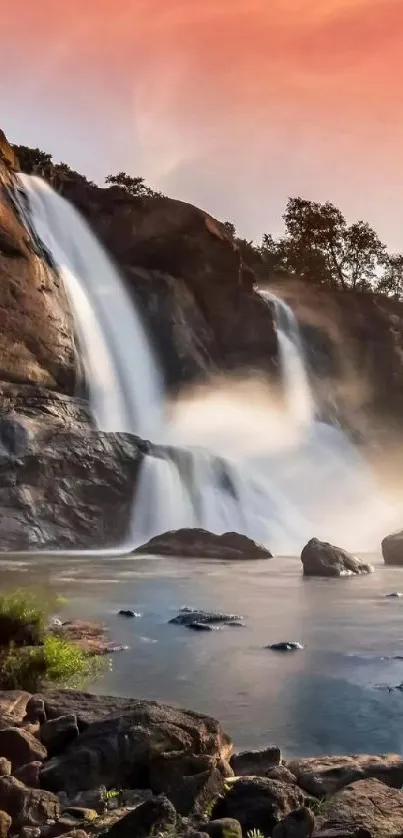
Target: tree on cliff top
{"x": 320, "y": 247}
{"x": 133, "y": 185}
{"x": 31, "y": 159}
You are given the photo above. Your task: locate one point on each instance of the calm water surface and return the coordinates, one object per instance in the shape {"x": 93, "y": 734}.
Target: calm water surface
{"x": 329, "y": 698}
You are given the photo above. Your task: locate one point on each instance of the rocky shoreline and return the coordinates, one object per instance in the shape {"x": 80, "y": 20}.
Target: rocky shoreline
{"x": 77, "y": 764}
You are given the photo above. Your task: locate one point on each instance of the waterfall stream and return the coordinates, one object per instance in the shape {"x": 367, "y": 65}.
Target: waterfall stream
{"x": 280, "y": 493}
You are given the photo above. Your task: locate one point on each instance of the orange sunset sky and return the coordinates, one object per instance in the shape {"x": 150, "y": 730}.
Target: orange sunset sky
{"x": 230, "y": 104}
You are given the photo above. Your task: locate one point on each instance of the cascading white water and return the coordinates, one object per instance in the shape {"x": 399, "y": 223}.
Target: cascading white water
{"x": 124, "y": 381}
{"x": 298, "y": 392}
{"x": 278, "y": 477}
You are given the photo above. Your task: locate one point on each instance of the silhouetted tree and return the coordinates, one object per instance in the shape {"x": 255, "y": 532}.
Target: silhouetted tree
{"x": 320, "y": 247}
{"x": 134, "y": 185}
{"x": 32, "y": 159}
{"x": 391, "y": 281}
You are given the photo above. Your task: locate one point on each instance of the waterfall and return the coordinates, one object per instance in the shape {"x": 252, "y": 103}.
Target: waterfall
{"x": 123, "y": 378}
{"x": 298, "y": 394}
{"x": 230, "y": 462}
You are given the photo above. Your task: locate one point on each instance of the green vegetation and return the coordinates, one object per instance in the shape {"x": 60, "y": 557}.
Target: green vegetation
{"x": 254, "y": 833}
{"x": 31, "y": 656}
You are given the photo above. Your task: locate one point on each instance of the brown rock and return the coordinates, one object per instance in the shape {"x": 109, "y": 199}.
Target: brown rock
{"x": 56, "y": 734}
{"x": 323, "y": 776}
{"x": 153, "y": 817}
{"x": 13, "y": 705}
{"x": 5, "y": 767}
{"x": 30, "y": 832}
{"x": 27, "y": 807}
{"x": 365, "y": 805}
{"x": 196, "y": 543}
{"x": 20, "y": 747}
{"x": 36, "y": 326}
{"x": 29, "y": 774}
{"x": 5, "y": 820}
{"x": 7, "y": 153}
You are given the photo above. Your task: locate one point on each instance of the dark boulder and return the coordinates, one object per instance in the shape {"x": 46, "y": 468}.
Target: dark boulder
{"x": 392, "y": 549}
{"x": 286, "y": 646}
{"x": 255, "y": 763}
{"x": 322, "y": 559}
{"x": 154, "y": 817}
{"x": 223, "y": 828}
{"x": 297, "y": 824}
{"x": 258, "y": 803}
{"x": 131, "y": 738}
{"x": 198, "y": 543}
{"x": 29, "y": 774}
{"x": 56, "y": 734}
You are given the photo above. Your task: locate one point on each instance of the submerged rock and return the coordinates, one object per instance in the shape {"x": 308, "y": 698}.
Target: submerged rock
{"x": 286, "y": 646}
{"x": 198, "y": 543}
{"x": 319, "y": 558}
{"x": 392, "y": 548}
{"x": 394, "y": 595}
{"x": 128, "y": 613}
{"x": 205, "y": 620}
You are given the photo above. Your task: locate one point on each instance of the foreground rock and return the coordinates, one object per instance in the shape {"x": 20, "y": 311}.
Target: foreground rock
{"x": 197, "y": 543}
{"x": 259, "y": 803}
{"x": 392, "y": 549}
{"x": 322, "y": 559}
{"x": 136, "y": 744}
{"x": 257, "y": 763}
{"x": 367, "y": 807}
{"x": 323, "y": 776}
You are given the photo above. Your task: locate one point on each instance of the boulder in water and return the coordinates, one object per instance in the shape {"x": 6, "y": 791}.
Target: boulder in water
{"x": 286, "y": 646}
{"x": 198, "y": 543}
{"x": 322, "y": 559}
{"x": 392, "y": 548}
{"x": 205, "y": 620}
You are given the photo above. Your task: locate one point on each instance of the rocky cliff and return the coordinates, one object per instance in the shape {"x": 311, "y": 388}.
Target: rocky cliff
{"x": 64, "y": 484}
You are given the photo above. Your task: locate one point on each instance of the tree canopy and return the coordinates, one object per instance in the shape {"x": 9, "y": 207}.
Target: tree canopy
{"x": 135, "y": 186}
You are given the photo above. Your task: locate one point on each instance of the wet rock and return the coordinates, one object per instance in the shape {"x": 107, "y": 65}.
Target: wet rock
{"x": 392, "y": 549}
{"x": 322, "y": 559}
{"x": 223, "y": 828}
{"x": 255, "y": 763}
{"x": 128, "y": 613}
{"x": 365, "y": 805}
{"x": 286, "y": 646}
{"x": 27, "y": 807}
{"x": 394, "y": 595}
{"x": 190, "y": 543}
{"x": 29, "y": 774}
{"x": 190, "y": 617}
{"x": 118, "y": 750}
{"x": 153, "y": 817}
{"x": 92, "y": 638}
{"x": 297, "y": 824}
{"x": 5, "y": 824}
{"x": 323, "y": 776}
{"x": 20, "y": 747}
{"x": 195, "y": 626}
{"x": 5, "y": 767}
{"x": 258, "y": 803}
{"x": 56, "y": 734}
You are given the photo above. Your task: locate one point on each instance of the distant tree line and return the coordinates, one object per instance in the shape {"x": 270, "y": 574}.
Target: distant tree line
{"x": 318, "y": 245}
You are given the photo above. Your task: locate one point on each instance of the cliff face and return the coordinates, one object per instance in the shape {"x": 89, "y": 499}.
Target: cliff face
{"x": 187, "y": 276}
{"x": 36, "y": 326}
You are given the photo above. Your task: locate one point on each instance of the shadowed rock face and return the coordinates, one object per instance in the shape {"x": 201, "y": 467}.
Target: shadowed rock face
{"x": 392, "y": 549}
{"x": 191, "y": 543}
